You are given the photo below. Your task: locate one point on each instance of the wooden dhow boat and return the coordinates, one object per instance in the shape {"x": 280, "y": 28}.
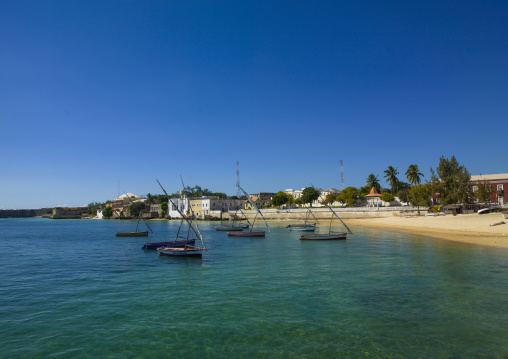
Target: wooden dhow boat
{"x": 331, "y": 234}
{"x": 252, "y": 232}
{"x": 136, "y": 233}
{"x": 193, "y": 234}
{"x": 305, "y": 227}
{"x": 132, "y": 234}
{"x": 232, "y": 227}
{"x": 155, "y": 245}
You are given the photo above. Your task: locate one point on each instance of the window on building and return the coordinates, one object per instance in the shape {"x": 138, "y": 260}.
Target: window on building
{"x": 499, "y": 187}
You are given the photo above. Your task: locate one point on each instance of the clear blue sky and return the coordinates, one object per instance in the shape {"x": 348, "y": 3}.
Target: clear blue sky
{"x": 96, "y": 92}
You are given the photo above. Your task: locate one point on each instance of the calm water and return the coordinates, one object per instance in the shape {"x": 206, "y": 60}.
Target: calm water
{"x": 71, "y": 289}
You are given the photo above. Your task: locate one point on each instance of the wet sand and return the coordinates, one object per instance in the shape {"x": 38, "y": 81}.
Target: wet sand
{"x": 467, "y": 228}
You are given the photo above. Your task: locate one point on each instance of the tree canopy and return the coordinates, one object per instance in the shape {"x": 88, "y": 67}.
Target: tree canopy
{"x": 373, "y": 181}
{"x": 310, "y": 194}
{"x": 107, "y": 212}
{"x": 391, "y": 178}
{"x": 387, "y": 197}
{"x": 420, "y": 195}
{"x": 280, "y": 199}
{"x": 483, "y": 191}
{"x": 413, "y": 174}
{"x": 330, "y": 198}
{"x": 451, "y": 181}
{"x": 348, "y": 195}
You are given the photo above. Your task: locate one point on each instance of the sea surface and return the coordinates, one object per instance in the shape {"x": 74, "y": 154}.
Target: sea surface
{"x": 71, "y": 289}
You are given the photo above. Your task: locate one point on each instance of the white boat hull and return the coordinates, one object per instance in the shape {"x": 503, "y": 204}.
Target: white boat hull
{"x": 184, "y": 252}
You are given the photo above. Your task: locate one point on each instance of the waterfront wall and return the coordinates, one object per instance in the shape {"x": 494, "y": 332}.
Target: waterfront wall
{"x": 326, "y": 214}
{"x": 70, "y": 212}
{"x": 23, "y": 213}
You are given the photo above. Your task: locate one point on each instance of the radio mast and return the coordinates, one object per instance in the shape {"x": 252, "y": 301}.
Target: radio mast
{"x": 238, "y": 193}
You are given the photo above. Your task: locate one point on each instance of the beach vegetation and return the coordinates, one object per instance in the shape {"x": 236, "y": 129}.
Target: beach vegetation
{"x": 414, "y": 175}
{"x": 310, "y": 194}
{"x": 373, "y": 181}
{"x": 330, "y": 198}
{"x": 391, "y": 178}
{"x": 403, "y": 195}
{"x": 348, "y": 195}
{"x": 107, "y": 212}
{"x": 291, "y": 199}
{"x": 280, "y": 199}
{"x": 420, "y": 195}
{"x": 484, "y": 191}
{"x": 136, "y": 208}
{"x": 451, "y": 181}
{"x": 436, "y": 209}
{"x": 387, "y": 197}
{"x": 164, "y": 207}
{"x": 363, "y": 191}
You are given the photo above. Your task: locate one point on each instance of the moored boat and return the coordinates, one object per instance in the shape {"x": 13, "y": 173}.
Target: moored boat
{"x": 247, "y": 234}
{"x": 251, "y": 232}
{"x": 187, "y": 251}
{"x": 228, "y": 228}
{"x": 303, "y": 227}
{"x": 323, "y": 237}
{"x": 132, "y": 234}
{"x": 155, "y": 245}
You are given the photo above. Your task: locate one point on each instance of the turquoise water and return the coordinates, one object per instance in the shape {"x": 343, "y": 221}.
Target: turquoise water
{"x": 71, "y": 289}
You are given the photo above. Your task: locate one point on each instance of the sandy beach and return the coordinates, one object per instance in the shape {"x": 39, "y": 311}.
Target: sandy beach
{"x": 467, "y": 228}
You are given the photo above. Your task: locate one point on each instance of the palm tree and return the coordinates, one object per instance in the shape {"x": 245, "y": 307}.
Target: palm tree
{"x": 373, "y": 181}
{"x": 412, "y": 174}
{"x": 391, "y": 178}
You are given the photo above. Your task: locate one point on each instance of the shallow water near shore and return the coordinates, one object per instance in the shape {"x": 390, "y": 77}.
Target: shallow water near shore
{"x": 71, "y": 289}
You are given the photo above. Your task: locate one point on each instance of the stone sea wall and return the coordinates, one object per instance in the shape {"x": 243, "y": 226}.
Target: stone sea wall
{"x": 325, "y": 213}
{"x": 23, "y": 213}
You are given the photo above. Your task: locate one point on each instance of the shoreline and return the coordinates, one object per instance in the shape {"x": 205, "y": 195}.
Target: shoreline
{"x": 464, "y": 228}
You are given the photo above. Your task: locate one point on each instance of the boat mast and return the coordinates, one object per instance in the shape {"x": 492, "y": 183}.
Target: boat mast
{"x": 184, "y": 217}
{"x": 254, "y": 205}
{"x": 139, "y": 214}
{"x": 330, "y": 208}
{"x": 193, "y": 216}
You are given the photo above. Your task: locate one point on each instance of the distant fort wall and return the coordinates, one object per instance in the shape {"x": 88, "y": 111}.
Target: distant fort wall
{"x": 24, "y": 213}
{"x": 70, "y": 213}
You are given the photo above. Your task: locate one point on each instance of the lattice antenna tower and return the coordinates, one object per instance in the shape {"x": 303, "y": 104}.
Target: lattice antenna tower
{"x": 341, "y": 175}
{"x": 238, "y": 193}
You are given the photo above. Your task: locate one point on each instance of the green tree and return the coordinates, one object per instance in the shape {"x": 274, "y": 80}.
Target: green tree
{"x": 298, "y": 202}
{"x": 391, "y": 178}
{"x": 403, "y": 194}
{"x": 107, "y": 212}
{"x": 363, "y": 191}
{"x": 309, "y": 195}
{"x": 484, "y": 191}
{"x": 373, "y": 181}
{"x": 451, "y": 181}
{"x": 348, "y": 195}
{"x": 330, "y": 198}
{"x": 136, "y": 208}
{"x": 291, "y": 200}
{"x": 420, "y": 195}
{"x": 387, "y": 197}
{"x": 164, "y": 209}
{"x": 280, "y": 199}
{"x": 413, "y": 174}
{"x": 150, "y": 198}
